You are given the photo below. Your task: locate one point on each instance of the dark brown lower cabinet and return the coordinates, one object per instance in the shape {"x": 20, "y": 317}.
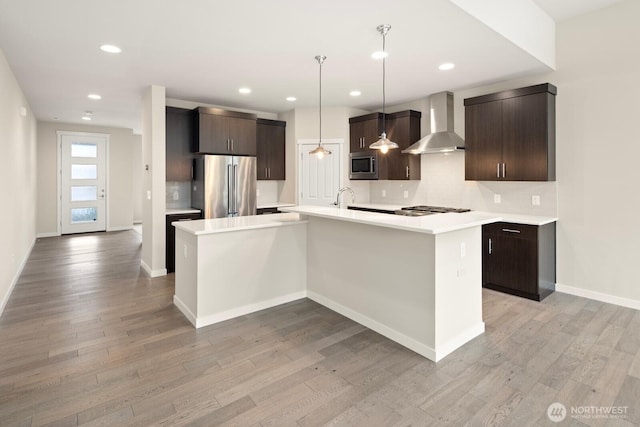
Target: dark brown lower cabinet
{"x": 265, "y": 211}
{"x": 171, "y": 237}
{"x": 519, "y": 259}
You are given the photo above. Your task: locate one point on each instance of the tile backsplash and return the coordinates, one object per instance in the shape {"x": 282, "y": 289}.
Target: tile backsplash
{"x": 443, "y": 184}
{"x": 178, "y": 195}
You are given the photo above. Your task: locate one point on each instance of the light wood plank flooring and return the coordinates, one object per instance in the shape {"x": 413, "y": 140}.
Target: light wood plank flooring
{"x": 87, "y": 339}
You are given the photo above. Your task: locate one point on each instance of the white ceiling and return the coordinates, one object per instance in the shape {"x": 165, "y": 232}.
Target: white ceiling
{"x": 204, "y": 50}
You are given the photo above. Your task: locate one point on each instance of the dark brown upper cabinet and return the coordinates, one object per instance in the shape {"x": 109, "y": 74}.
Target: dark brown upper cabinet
{"x": 271, "y": 149}
{"x": 511, "y": 135}
{"x": 402, "y": 128}
{"x": 179, "y": 134}
{"x": 364, "y": 131}
{"x": 220, "y": 131}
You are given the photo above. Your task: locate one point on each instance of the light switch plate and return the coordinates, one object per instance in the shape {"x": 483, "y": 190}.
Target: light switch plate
{"x": 406, "y": 194}
{"x": 535, "y": 200}
{"x": 496, "y": 198}
{"x": 384, "y": 193}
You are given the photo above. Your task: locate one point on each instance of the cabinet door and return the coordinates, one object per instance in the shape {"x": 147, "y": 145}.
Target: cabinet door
{"x": 483, "y": 141}
{"x": 179, "y": 136}
{"x": 404, "y": 131}
{"x": 524, "y": 150}
{"x": 213, "y": 134}
{"x": 271, "y": 152}
{"x": 363, "y": 133}
{"x": 277, "y": 157}
{"x": 510, "y": 257}
{"x": 242, "y": 133}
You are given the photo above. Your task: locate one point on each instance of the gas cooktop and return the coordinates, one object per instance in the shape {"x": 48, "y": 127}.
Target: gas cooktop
{"x": 422, "y": 210}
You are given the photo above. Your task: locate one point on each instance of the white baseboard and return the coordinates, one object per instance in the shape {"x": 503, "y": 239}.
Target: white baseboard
{"x": 455, "y": 343}
{"x": 121, "y": 228}
{"x": 14, "y": 281}
{"x": 392, "y": 334}
{"x": 598, "y": 296}
{"x": 53, "y": 234}
{"x": 185, "y": 310}
{"x": 152, "y": 273}
{"x": 199, "y": 322}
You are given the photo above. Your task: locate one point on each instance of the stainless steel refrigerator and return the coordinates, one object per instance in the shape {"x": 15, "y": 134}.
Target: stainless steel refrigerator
{"x": 224, "y": 186}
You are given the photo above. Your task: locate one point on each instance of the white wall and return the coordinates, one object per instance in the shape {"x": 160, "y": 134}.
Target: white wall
{"x": 18, "y": 173}
{"x": 121, "y": 155}
{"x": 136, "y": 178}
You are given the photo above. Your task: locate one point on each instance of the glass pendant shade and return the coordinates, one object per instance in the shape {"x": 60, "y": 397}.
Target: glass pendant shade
{"x": 320, "y": 151}
{"x": 383, "y": 143}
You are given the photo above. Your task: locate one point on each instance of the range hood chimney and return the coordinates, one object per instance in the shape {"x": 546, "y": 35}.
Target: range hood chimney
{"x": 442, "y": 138}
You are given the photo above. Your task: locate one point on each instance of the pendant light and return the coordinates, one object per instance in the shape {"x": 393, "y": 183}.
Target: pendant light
{"x": 320, "y": 151}
{"x": 383, "y": 143}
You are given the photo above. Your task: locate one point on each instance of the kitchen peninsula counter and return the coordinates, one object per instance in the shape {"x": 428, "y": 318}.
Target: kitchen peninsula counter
{"x": 415, "y": 280}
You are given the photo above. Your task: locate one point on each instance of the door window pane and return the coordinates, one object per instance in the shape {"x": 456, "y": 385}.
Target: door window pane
{"x": 84, "y": 171}
{"x": 83, "y": 215}
{"x": 84, "y": 149}
{"x": 84, "y": 193}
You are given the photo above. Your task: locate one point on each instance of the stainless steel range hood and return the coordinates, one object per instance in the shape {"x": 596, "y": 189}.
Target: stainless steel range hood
{"x": 442, "y": 138}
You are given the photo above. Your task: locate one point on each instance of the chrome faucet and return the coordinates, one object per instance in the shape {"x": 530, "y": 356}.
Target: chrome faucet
{"x": 342, "y": 190}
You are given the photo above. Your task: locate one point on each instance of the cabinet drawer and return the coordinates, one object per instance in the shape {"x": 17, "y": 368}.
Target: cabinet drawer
{"x": 528, "y": 232}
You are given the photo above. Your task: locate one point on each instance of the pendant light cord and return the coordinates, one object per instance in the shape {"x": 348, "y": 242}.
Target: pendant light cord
{"x": 384, "y": 97}
{"x": 320, "y": 106}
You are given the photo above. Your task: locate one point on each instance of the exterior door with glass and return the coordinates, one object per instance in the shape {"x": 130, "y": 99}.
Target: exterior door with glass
{"x": 82, "y": 182}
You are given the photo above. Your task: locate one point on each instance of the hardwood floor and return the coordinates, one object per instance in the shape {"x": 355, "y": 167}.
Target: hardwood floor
{"x": 87, "y": 339}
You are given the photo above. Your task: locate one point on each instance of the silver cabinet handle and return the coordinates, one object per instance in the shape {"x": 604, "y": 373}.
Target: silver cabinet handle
{"x": 269, "y": 173}
{"x": 509, "y": 230}
{"x": 228, "y": 147}
{"x": 503, "y": 171}
{"x": 232, "y": 145}
{"x": 407, "y": 171}
{"x": 490, "y": 246}
{"x": 266, "y": 174}
{"x": 497, "y": 170}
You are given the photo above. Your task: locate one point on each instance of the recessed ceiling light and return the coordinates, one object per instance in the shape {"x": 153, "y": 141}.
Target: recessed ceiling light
{"x": 86, "y": 118}
{"x": 94, "y": 96}
{"x": 244, "y": 90}
{"x": 355, "y": 93}
{"x": 446, "y": 66}
{"x": 109, "y": 48}
{"x": 379, "y": 54}
{"x": 291, "y": 98}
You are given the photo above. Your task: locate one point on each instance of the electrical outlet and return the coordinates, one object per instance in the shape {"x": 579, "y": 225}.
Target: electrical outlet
{"x": 406, "y": 194}
{"x": 176, "y": 195}
{"x": 497, "y": 199}
{"x": 184, "y": 251}
{"x": 384, "y": 193}
{"x": 535, "y": 200}
{"x": 257, "y": 192}
{"x": 148, "y": 194}
{"x": 463, "y": 249}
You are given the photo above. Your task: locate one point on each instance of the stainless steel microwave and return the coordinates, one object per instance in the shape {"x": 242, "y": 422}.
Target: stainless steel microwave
{"x": 363, "y": 165}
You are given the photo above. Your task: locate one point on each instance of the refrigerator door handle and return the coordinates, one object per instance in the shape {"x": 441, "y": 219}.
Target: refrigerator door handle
{"x": 235, "y": 190}
{"x": 229, "y": 190}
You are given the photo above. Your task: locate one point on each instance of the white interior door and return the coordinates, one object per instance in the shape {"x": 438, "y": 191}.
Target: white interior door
{"x": 319, "y": 178}
{"x": 82, "y": 183}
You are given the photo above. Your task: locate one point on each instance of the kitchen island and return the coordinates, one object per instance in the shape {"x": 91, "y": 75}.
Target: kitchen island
{"x": 228, "y": 267}
{"x": 415, "y": 280}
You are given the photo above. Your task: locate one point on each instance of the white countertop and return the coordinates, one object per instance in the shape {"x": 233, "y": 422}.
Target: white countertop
{"x": 181, "y": 211}
{"x": 237, "y": 223}
{"x": 429, "y": 224}
{"x": 506, "y": 217}
{"x": 263, "y": 205}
